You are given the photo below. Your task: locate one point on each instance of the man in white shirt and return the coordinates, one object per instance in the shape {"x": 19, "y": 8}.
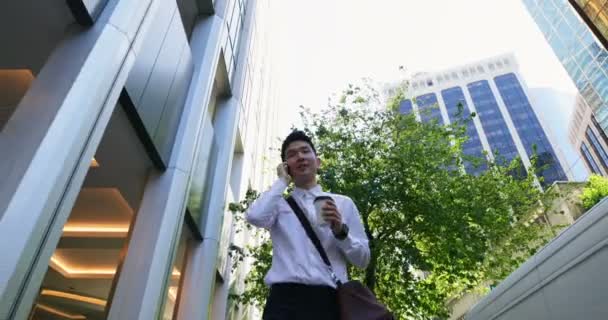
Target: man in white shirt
{"x": 301, "y": 285}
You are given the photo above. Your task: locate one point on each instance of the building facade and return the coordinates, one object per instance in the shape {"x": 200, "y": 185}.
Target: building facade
{"x": 126, "y": 127}
{"x": 595, "y": 14}
{"x": 589, "y": 139}
{"x": 577, "y": 48}
{"x": 505, "y": 127}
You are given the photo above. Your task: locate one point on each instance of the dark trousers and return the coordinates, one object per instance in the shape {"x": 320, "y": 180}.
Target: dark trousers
{"x": 292, "y": 301}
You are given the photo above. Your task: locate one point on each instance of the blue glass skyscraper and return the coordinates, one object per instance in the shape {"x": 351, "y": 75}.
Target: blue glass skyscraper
{"x": 506, "y": 125}
{"x": 565, "y": 26}
{"x": 576, "y": 47}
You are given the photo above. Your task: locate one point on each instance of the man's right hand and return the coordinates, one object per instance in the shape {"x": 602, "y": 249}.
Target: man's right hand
{"x": 282, "y": 172}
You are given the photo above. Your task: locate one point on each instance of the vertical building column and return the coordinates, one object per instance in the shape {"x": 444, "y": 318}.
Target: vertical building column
{"x": 415, "y": 108}
{"x": 220, "y": 299}
{"x": 507, "y": 116}
{"x": 201, "y": 270}
{"x": 443, "y": 108}
{"x": 477, "y": 122}
{"x": 140, "y": 290}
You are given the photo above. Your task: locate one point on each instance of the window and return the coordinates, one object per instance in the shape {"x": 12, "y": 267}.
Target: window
{"x": 530, "y": 4}
{"x": 405, "y": 107}
{"x": 175, "y": 280}
{"x": 204, "y": 164}
{"x": 83, "y": 269}
{"x": 591, "y": 164}
{"x": 572, "y": 18}
{"x": 560, "y": 49}
{"x": 429, "y": 108}
{"x": 14, "y": 84}
{"x": 597, "y": 147}
{"x": 599, "y": 80}
{"x": 583, "y": 57}
{"x": 591, "y": 97}
{"x": 549, "y": 10}
{"x": 234, "y": 19}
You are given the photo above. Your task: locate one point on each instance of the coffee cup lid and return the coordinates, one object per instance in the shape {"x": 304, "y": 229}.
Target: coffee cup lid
{"x": 323, "y": 198}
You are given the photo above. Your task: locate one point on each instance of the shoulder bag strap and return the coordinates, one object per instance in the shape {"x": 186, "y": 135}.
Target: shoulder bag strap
{"x": 312, "y": 236}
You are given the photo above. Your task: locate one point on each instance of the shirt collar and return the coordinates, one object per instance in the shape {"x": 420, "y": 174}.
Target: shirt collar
{"x": 313, "y": 192}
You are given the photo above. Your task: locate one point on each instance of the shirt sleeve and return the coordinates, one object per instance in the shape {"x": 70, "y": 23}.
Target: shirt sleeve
{"x": 263, "y": 212}
{"x": 356, "y": 245}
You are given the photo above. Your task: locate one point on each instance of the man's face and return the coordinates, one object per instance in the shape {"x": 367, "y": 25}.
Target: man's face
{"x": 302, "y": 160}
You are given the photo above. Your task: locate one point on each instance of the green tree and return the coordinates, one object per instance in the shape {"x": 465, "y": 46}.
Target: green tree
{"x": 260, "y": 253}
{"x": 434, "y": 230}
{"x": 595, "y": 191}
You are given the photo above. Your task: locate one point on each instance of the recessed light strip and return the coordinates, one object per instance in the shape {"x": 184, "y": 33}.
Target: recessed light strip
{"x": 60, "y": 313}
{"x": 71, "y": 272}
{"x": 95, "y": 231}
{"x": 73, "y": 296}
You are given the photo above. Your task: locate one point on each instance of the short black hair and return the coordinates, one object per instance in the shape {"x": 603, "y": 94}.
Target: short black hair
{"x": 296, "y": 135}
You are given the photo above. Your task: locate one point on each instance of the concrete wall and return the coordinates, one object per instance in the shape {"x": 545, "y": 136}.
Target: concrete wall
{"x": 565, "y": 280}
{"x": 459, "y": 307}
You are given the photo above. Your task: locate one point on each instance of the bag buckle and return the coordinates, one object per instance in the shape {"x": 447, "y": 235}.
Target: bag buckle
{"x": 333, "y": 275}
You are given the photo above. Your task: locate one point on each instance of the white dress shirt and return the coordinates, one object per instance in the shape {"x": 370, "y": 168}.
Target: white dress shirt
{"x": 294, "y": 257}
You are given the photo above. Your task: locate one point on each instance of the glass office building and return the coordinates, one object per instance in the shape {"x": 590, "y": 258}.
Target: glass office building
{"x": 577, "y": 48}
{"x": 506, "y": 125}
{"x": 588, "y": 138}
{"x": 595, "y": 14}
{"x": 576, "y": 31}
{"x": 126, "y": 127}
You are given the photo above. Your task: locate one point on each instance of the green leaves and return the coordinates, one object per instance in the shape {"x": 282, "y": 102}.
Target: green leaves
{"x": 421, "y": 211}
{"x": 595, "y": 191}
{"x": 434, "y": 230}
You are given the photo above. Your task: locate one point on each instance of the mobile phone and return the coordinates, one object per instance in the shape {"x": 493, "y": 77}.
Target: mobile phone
{"x": 287, "y": 169}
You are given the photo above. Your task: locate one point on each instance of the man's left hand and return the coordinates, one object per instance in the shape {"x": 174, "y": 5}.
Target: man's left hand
{"x": 332, "y": 215}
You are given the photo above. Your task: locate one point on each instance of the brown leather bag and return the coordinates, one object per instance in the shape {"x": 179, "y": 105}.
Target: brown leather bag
{"x": 356, "y": 301}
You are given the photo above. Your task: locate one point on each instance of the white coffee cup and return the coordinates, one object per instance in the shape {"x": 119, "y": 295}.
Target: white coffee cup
{"x": 319, "y": 203}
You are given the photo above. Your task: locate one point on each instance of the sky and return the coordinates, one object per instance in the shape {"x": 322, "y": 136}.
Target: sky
{"x": 319, "y": 46}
